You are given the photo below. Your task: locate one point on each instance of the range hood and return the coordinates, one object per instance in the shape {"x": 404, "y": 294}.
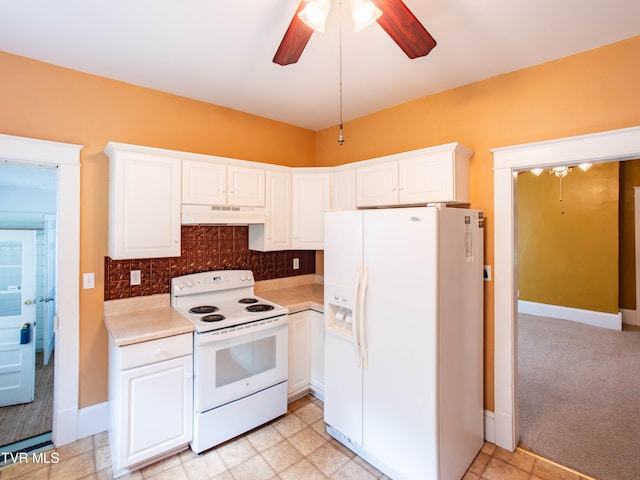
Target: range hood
{"x": 221, "y": 215}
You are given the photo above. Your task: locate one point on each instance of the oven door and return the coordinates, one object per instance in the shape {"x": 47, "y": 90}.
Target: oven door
{"x": 238, "y": 361}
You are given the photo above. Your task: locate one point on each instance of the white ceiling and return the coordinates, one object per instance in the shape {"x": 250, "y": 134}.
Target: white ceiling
{"x": 221, "y": 51}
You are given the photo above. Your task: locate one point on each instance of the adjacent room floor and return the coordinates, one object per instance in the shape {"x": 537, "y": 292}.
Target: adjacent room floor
{"x": 28, "y": 420}
{"x": 293, "y": 447}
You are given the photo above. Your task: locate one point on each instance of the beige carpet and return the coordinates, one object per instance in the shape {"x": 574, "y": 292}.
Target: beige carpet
{"x": 579, "y": 396}
{"x": 19, "y": 422}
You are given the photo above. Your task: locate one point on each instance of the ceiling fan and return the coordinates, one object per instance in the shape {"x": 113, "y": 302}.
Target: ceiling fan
{"x": 393, "y": 16}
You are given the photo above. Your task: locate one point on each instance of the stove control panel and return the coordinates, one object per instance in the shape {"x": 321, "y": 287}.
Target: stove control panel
{"x": 212, "y": 281}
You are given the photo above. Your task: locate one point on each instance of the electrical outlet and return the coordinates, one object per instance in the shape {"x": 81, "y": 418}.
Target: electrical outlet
{"x": 135, "y": 277}
{"x": 296, "y": 263}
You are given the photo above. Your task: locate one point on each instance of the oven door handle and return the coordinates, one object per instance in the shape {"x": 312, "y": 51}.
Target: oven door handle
{"x": 274, "y": 323}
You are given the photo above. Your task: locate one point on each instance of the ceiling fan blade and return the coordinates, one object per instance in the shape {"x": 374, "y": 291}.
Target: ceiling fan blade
{"x": 404, "y": 28}
{"x": 294, "y": 40}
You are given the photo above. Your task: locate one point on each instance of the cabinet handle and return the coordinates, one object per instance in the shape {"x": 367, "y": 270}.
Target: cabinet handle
{"x": 158, "y": 352}
{"x": 400, "y": 187}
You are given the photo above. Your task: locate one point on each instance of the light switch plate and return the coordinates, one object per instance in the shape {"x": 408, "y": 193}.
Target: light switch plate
{"x": 296, "y": 263}
{"x": 88, "y": 280}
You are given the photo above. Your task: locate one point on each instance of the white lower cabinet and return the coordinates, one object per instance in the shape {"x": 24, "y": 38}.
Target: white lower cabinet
{"x": 150, "y": 401}
{"x": 306, "y": 354}
{"x": 317, "y": 353}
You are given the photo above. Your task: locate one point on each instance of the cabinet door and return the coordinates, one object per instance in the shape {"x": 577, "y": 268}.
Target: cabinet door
{"x": 299, "y": 357}
{"x": 426, "y": 178}
{"x": 144, "y": 206}
{"x": 157, "y": 409}
{"x": 377, "y": 184}
{"x": 204, "y": 183}
{"x": 275, "y": 232}
{"x": 311, "y": 198}
{"x": 343, "y": 189}
{"x": 316, "y": 321}
{"x": 246, "y": 186}
{"x": 278, "y": 223}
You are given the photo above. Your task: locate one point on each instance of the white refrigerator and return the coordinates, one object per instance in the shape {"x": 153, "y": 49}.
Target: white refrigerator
{"x": 404, "y": 338}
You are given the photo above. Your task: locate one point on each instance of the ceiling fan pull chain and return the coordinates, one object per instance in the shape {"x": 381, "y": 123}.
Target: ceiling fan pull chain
{"x": 340, "y": 136}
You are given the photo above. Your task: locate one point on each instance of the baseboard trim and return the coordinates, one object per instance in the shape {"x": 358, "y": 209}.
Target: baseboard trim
{"x": 489, "y": 426}
{"x": 611, "y": 321}
{"x": 93, "y": 419}
{"x": 630, "y": 317}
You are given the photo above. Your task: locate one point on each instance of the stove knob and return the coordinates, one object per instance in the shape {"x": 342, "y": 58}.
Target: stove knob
{"x": 243, "y": 277}
{"x": 249, "y": 276}
{"x": 189, "y": 283}
{"x": 180, "y": 285}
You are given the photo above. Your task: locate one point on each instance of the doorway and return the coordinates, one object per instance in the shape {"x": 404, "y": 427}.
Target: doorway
{"x": 616, "y": 145}
{"x": 27, "y": 304}
{"x": 66, "y": 159}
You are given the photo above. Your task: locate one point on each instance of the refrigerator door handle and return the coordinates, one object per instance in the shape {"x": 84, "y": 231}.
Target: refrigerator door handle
{"x": 362, "y": 322}
{"x": 354, "y": 316}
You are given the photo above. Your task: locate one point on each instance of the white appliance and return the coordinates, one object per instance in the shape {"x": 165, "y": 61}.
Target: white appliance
{"x": 240, "y": 354}
{"x": 404, "y": 336}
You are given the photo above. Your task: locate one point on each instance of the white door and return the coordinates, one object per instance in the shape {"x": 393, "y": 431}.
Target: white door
{"x": 17, "y": 316}
{"x": 50, "y": 268}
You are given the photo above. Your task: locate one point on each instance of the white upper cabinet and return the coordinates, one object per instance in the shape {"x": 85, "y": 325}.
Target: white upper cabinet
{"x": 430, "y": 175}
{"x": 275, "y": 232}
{"x": 343, "y": 188}
{"x": 204, "y": 183}
{"x": 246, "y": 186}
{"x": 213, "y": 183}
{"x": 144, "y": 204}
{"x": 311, "y": 198}
{"x": 377, "y": 184}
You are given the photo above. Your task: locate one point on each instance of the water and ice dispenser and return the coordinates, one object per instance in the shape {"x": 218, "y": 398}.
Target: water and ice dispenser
{"x": 340, "y": 309}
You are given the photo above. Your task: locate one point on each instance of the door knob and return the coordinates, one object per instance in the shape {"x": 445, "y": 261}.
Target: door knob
{"x": 28, "y": 301}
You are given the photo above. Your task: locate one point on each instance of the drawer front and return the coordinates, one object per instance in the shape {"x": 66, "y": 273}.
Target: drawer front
{"x": 154, "y": 351}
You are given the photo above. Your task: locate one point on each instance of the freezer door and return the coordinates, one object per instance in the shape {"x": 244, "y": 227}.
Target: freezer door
{"x": 343, "y": 371}
{"x": 342, "y": 247}
{"x": 400, "y": 409}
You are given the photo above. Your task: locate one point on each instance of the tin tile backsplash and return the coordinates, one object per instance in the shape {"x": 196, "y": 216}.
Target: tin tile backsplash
{"x": 204, "y": 247}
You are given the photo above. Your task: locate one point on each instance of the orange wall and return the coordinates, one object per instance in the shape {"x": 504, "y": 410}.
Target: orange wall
{"x": 585, "y": 93}
{"x": 43, "y": 101}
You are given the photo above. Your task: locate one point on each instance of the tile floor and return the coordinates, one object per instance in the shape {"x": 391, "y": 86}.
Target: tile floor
{"x": 293, "y": 447}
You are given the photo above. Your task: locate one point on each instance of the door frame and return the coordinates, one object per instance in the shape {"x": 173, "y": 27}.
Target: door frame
{"x": 66, "y": 157}
{"x": 608, "y": 146}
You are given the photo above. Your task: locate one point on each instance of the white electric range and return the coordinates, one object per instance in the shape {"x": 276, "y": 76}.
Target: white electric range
{"x": 240, "y": 354}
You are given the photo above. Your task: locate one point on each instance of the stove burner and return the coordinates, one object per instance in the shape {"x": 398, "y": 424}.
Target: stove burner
{"x": 248, "y": 300}
{"x": 204, "y": 309}
{"x": 216, "y": 317}
{"x": 260, "y": 307}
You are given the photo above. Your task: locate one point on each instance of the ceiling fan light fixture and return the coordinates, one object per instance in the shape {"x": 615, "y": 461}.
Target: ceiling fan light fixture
{"x": 364, "y": 13}
{"x": 315, "y": 14}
